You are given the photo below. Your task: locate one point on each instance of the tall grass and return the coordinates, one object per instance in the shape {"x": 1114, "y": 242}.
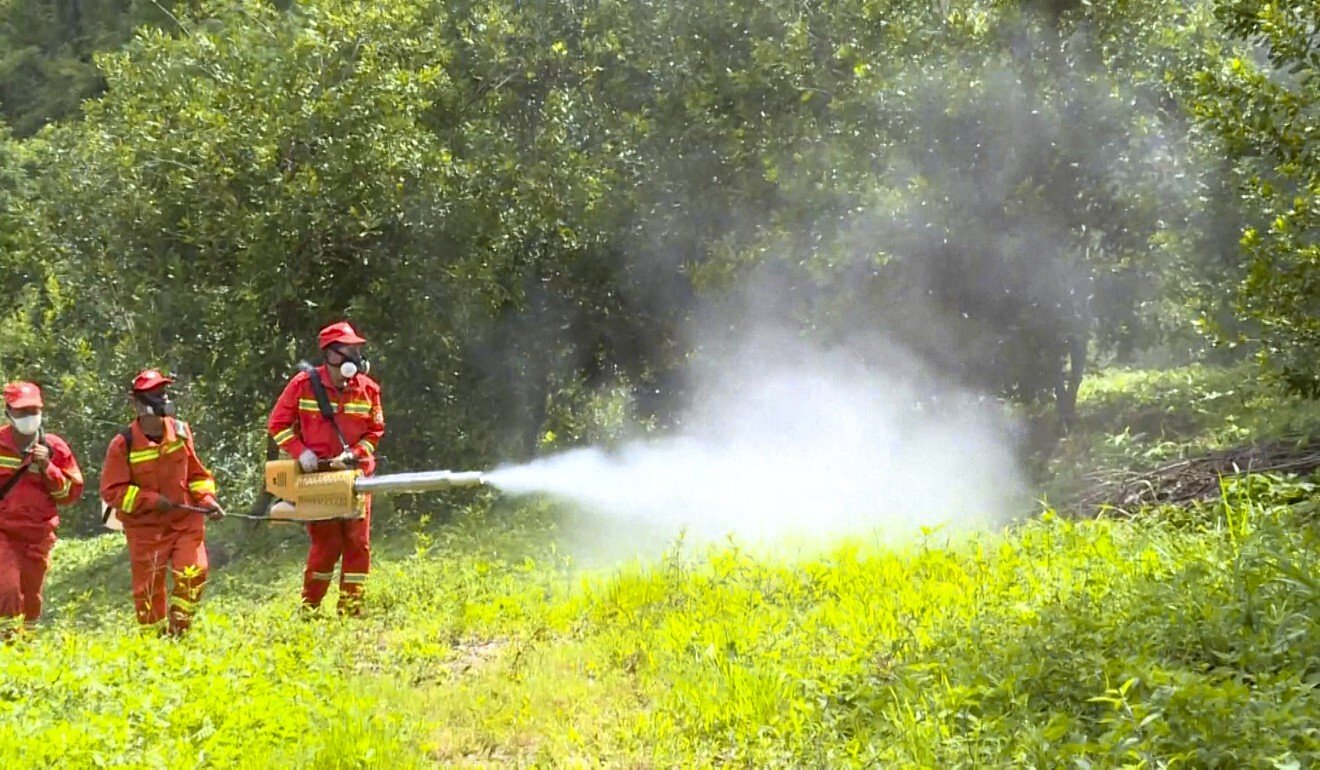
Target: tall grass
{"x": 1156, "y": 643}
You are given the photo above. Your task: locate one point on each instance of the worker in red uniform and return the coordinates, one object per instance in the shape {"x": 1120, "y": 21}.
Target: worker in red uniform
{"x": 37, "y": 473}
{"x": 300, "y": 429}
{"x": 163, "y": 495}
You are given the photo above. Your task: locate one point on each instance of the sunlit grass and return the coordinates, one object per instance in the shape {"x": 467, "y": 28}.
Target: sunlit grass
{"x": 1113, "y": 642}
{"x": 1181, "y": 638}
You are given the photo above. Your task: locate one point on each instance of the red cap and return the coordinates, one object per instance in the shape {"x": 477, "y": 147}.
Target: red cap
{"x": 339, "y": 333}
{"x": 149, "y": 379}
{"x": 21, "y": 395}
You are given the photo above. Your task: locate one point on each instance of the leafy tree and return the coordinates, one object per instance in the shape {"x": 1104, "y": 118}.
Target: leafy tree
{"x": 990, "y": 198}
{"x": 47, "y": 48}
{"x": 1265, "y": 108}
{"x": 524, "y": 205}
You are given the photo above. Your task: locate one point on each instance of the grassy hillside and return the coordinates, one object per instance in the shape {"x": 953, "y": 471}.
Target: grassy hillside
{"x": 1187, "y": 641}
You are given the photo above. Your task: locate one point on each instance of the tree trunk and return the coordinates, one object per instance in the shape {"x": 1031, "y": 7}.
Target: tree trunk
{"x": 1070, "y": 381}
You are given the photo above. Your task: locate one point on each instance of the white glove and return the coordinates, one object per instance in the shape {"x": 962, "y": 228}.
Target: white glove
{"x": 344, "y": 461}
{"x": 308, "y": 460}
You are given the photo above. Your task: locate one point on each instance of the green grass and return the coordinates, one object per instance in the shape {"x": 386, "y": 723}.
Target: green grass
{"x": 1139, "y": 417}
{"x": 1115, "y": 643}
{"x": 1187, "y": 641}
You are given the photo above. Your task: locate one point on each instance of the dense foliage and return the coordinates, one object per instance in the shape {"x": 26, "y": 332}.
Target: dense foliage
{"x": 525, "y": 205}
{"x": 46, "y": 50}
{"x": 1267, "y": 109}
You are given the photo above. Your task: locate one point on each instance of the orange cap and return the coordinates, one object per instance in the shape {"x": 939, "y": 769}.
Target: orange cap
{"x": 149, "y": 379}
{"x": 339, "y": 333}
{"x": 21, "y": 395}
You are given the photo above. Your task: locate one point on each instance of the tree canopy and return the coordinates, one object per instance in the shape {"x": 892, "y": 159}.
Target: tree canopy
{"x": 524, "y": 204}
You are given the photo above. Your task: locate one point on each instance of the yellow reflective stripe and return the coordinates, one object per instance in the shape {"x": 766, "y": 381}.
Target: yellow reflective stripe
{"x": 203, "y": 485}
{"x": 357, "y": 407}
{"x": 284, "y": 436}
{"x": 144, "y": 455}
{"x": 355, "y": 578}
{"x": 182, "y": 603}
{"x": 130, "y": 497}
{"x": 367, "y": 446}
{"x": 64, "y": 488}
{"x": 9, "y": 461}
{"x": 308, "y": 405}
{"x": 323, "y": 575}
{"x": 154, "y": 453}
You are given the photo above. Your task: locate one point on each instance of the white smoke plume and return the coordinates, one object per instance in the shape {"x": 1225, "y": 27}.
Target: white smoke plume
{"x": 785, "y": 442}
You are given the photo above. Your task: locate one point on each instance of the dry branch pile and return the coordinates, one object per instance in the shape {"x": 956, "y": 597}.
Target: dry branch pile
{"x": 1194, "y": 479}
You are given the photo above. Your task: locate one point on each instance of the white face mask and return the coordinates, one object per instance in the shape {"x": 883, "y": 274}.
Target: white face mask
{"x": 27, "y": 425}
{"x": 350, "y": 367}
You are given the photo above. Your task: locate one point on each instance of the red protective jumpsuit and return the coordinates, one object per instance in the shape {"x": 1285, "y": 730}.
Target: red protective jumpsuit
{"x": 28, "y": 520}
{"x": 296, "y": 423}
{"x": 133, "y": 479}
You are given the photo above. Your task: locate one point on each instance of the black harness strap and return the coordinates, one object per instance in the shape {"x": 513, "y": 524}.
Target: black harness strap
{"x": 323, "y": 401}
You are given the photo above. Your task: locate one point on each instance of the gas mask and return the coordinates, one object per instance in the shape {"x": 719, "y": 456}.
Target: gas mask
{"x": 157, "y": 403}
{"x": 28, "y": 426}
{"x": 352, "y": 365}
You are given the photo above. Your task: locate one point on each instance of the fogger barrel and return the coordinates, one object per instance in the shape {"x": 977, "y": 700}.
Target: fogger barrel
{"x": 425, "y": 481}
{"x": 341, "y": 494}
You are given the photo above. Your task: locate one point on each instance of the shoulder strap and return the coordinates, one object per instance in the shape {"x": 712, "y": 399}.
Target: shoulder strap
{"x": 127, "y": 435}
{"x": 322, "y": 399}
{"x": 22, "y": 468}
{"x": 18, "y": 474}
